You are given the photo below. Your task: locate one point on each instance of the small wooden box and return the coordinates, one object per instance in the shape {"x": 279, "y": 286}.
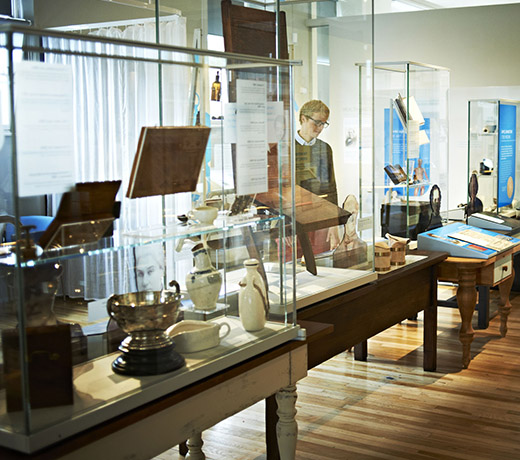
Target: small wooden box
{"x": 49, "y": 366}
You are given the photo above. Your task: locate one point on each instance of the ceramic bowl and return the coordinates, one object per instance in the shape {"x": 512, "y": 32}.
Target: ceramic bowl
{"x": 191, "y": 336}
{"x": 205, "y": 215}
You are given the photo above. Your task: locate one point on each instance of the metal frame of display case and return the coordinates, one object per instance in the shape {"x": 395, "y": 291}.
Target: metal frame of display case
{"x": 399, "y": 89}
{"x": 99, "y": 393}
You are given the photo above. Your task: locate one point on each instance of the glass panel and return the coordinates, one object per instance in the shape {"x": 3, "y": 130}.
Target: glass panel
{"x": 411, "y": 147}
{"x": 169, "y": 198}
{"x": 331, "y": 38}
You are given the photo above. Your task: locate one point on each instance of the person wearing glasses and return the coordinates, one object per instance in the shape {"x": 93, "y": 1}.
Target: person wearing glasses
{"x": 315, "y": 168}
{"x": 314, "y": 165}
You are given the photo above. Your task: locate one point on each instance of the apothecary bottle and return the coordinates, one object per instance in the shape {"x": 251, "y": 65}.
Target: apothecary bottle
{"x": 253, "y": 306}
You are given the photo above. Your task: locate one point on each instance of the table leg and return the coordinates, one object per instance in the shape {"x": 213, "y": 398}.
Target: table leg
{"x": 195, "y": 448}
{"x": 183, "y": 449}
{"x": 308, "y": 254}
{"x": 430, "y": 326}
{"x": 483, "y": 307}
{"x": 361, "y": 351}
{"x": 287, "y": 428}
{"x": 466, "y": 300}
{"x": 271, "y": 421}
{"x": 504, "y": 306}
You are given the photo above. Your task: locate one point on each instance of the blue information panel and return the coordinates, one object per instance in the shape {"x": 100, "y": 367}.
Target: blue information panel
{"x": 506, "y": 154}
{"x": 461, "y": 240}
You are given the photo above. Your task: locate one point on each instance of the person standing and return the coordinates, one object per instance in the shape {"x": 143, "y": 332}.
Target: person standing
{"x": 315, "y": 167}
{"x": 314, "y": 162}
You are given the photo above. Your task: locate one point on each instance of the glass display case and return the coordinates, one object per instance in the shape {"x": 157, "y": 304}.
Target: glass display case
{"x": 493, "y": 130}
{"x": 164, "y": 252}
{"x": 410, "y": 147}
{"x": 330, "y": 37}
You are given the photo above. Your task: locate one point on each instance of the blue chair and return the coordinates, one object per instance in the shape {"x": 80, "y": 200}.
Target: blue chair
{"x": 40, "y": 224}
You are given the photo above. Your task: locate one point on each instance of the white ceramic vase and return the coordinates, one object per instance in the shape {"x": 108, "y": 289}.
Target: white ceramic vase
{"x": 204, "y": 281}
{"x": 253, "y": 306}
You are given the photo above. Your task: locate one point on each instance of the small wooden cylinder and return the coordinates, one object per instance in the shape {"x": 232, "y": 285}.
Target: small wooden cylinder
{"x": 381, "y": 257}
{"x": 398, "y": 254}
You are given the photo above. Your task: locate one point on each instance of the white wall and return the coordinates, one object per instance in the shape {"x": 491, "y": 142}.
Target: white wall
{"x": 481, "y": 47}
{"x": 345, "y": 51}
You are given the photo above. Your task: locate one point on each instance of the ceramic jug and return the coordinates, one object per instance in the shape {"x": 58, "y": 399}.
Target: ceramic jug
{"x": 204, "y": 281}
{"x": 253, "y": 306}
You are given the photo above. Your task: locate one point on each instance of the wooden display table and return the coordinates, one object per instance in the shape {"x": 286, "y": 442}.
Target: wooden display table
{"x": 153, "y": 428}
{"x": 469, "y": 273}
{"x": 363, "y": 312}
{"x": 368, "y": 310}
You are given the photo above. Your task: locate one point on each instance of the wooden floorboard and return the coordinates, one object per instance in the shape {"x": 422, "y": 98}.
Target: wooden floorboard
{"x": 389, "y": 408}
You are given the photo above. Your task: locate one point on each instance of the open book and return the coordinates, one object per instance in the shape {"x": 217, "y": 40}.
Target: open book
{"x": 84, "y": 215}
{"x": 168, "y": 160}
{"x": 396, "y": 173}
{"x": 414, "y": 113}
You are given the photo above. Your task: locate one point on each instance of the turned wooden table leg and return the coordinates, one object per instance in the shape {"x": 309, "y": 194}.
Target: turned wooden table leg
{"x": 466, "y": 300}
{"x": 195, "y": 448}
{"x": 504, "y": 306}
{"x": 287, "y": 428}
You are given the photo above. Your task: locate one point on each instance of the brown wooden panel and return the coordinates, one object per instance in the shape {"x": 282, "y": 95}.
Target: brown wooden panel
{"x": 364, "y": 312}
{"x": 90, "y": 203}
{"x": 312, "y": 211}
{"x": 253, "y": 31}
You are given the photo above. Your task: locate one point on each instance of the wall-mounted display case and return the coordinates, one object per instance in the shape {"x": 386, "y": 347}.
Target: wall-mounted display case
{"x": 493, "y": 140}
{"x": 163, "y": 224}
{"x": 410, "y": 147}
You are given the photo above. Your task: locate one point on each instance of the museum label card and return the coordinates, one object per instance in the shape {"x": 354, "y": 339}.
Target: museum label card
{"x": 275, "y": 122}
{"x": 44, "y": 128}
{"x": 251, "y": 137}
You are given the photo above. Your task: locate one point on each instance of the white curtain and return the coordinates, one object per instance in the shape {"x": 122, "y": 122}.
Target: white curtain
{"x": 113, "y": 99}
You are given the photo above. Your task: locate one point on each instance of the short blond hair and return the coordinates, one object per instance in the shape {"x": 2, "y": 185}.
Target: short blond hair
{"x": 314, "y": 106}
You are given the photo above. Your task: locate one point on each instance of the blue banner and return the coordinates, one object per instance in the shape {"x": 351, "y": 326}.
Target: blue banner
{"x": 506, "y": 154}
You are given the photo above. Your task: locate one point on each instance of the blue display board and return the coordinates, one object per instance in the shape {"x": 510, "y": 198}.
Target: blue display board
{"x": 399, "y": 149}
{"x": 461, "y": 240}
{"x": 506, "y": 154}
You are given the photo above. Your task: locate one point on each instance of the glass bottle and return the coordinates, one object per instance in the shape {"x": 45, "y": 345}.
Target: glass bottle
{"x": 215, "y": 89}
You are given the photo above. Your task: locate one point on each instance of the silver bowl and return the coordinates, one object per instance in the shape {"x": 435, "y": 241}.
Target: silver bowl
{"x": 145, "y": 316}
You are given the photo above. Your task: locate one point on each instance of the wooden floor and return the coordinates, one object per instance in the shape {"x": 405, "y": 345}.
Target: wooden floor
{"x": 389, "y": 408}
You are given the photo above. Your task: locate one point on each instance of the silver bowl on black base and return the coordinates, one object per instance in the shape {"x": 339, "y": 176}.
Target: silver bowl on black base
{"x": 145, "y": 316}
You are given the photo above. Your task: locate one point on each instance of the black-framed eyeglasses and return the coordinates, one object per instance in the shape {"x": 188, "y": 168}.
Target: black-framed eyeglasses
{"x": 318, "y": 123}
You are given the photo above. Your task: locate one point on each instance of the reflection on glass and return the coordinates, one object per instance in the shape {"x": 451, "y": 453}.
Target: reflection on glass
{"x": 149, "y": 268}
